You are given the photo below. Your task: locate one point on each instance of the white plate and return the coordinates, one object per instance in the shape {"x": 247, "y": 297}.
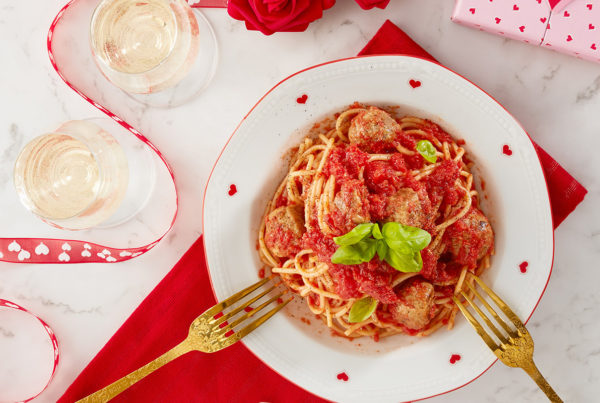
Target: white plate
{"x": 399, "y": 368}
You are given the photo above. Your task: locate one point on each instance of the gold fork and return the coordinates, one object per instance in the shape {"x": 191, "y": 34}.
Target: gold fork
{"x": 516, "y": 347}
{"x": 208, "y": 333}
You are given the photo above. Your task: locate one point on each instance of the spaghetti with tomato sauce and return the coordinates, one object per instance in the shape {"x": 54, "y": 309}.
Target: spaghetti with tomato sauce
{"x": 366, "y": 167}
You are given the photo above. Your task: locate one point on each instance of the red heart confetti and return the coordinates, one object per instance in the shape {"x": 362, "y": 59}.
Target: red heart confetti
{"x": 591, "y": 26}
{"x": 498, "y": 20}
{"x": 566, "y": 14}
{"x": 523, "y": 267}
{"x": 302, "y": 99}
{"x": 515, "y": 7}
{"x": 589, "y": 6}
{"x": 342, "y": 376}
{"x": 454, "y": 358}
{"x": 543, "y": 20}
{"x": 472, "y": 10}
{"x": 522, "y": 28}
{"x": 232, "y": 190}
{"x": 415, "y": 83}
{"x": 593, "y": 46}
{"x": 506, "y": 150}
{"x": 569, "y": 38}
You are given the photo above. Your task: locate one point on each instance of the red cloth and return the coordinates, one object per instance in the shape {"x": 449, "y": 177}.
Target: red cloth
{"x": 234, "y": 374}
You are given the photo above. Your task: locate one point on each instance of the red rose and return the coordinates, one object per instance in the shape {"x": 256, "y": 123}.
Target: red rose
{"x": 270, "y": 16}
{"x": 369, "y": 4}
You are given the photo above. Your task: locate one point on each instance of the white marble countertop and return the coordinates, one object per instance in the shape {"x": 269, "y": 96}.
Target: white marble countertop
{"x": 556, "y": 98}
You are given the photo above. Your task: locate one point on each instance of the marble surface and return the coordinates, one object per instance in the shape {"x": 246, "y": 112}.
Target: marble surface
{"x": 555, "y": 97}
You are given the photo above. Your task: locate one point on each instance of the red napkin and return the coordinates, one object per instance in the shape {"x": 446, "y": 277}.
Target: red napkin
{"x": 234, "y": 374}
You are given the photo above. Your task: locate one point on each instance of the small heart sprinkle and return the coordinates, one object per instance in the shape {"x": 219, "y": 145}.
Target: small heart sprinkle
{"x": 472, "y": 10}
{"x": 342, "y": 376}
{"x": 302, "y": 99}
{"x": 523, "y": 267}
{"x": 454, "y": 358}
{"x": 589, "y": 6}
{"x": 569, "y": 38}
{"x": 232, "y": 190}
{"x": 543, "y": 20}
{"x": 515, "y": 7}
{"x": 591, "y": 26}
{"x": 506, "y": 150}
{"x": 498, "y": 20}
{"x": 566, "y": 14}
{"x": 593, "y": 46}
{"x": 522, "y": 28}
{"x": 415, "y": 83}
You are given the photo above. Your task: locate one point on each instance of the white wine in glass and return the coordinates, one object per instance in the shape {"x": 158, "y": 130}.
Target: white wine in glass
{"x": 144, "y": 46}
{"x": 74, "y": 178}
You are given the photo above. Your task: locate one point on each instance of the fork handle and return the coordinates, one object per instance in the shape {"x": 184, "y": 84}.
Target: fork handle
{"x": 112, "y": 390}
{"x": 535, "y": 374}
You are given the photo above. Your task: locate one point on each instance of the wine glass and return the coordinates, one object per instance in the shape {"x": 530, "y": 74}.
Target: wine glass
{"x": 160, "y": 52}
{"x": 78, "y": 176}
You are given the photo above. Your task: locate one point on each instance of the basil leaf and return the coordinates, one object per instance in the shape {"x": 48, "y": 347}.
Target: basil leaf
{"x": 427, "y": 150}
{"x": 376, "y": 232}
{"x": 405, "y": 239}
{"x": 362, "y": 309}
{"x": 366, "y": 248}
{"x": 406, "y": 263}
{"x": 346, "y": 255}
{"x": 355, "y": 235}
{"x": 382, "y": 250}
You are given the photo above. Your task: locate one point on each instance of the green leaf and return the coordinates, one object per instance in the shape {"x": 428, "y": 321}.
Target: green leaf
{"x": 355, "y": 235}
{"x": 358, "y": 253}
{"x": 376, "y": 232}
{"x": 406, "y": 263}
{"x": 382, "y": 249}
{"x": 362, "y": 309}
{"x": 405, "y": 239}
{"x": 346, "y": 255}
{"x": 427, "y": 150}
{"x": 366, "y": 248}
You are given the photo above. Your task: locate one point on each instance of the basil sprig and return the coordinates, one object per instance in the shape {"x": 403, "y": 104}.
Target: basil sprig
{"x": 427, "y": 150}
{"x": 362, "y": 309}
{"x": 399, "y": 245}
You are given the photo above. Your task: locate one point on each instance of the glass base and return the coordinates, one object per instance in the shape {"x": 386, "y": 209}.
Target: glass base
{"x": 196, "y": 80}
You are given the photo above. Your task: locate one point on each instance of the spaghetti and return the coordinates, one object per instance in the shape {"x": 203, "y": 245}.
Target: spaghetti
{"x": 363, "y": 167}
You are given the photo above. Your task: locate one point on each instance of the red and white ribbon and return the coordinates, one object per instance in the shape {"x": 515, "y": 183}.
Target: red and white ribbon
{"x": 11, "y": 305}
{"x": 45, "y": 250}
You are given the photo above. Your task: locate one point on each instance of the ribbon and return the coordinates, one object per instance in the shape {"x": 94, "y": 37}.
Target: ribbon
{"x": 557, "y": 5}
{"x": 49, "y": 250}
{"x": 11, "y": 305}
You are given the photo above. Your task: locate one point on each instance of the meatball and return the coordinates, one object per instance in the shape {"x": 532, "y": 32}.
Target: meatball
{"x": 351, "y": 205}
{"x": 416, "y": 300}
{"x": 284, "y": 228}
{"x": 470, "y": 238}
{"x": 372, "y": 125}
{"x": 406, "y": 208}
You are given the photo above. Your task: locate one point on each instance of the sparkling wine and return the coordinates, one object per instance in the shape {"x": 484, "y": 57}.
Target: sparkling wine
{"x": 73, "y": 178}
{"x": 144, "y": 46}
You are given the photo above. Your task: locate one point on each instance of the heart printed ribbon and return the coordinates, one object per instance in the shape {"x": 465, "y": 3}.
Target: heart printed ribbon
{"x": 11, "y": 305}
{"x": 48, "y": 250}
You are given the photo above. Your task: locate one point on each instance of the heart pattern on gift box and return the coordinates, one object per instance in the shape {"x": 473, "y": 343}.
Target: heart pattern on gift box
{"x": 567, "y": 26}
{"x": 14, "y": 247}
{"x": 23, "y": 255}
{"x": 64, "y": 257}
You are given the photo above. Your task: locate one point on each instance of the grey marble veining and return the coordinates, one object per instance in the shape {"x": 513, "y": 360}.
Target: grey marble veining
{"x": 554, "y": 96}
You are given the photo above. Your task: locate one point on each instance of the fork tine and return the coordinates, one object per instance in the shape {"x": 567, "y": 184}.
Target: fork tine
{"x": 249, "y": 314}
{"x": 476, "y": 325}
{"x": 234, "y": 298}
{"x": 252, "y": 326}
{"x": 487, "y": 320}
{"x": 497, "y": 317}
{"x": 502, "y": 305}
{"x": 228, "y": 315}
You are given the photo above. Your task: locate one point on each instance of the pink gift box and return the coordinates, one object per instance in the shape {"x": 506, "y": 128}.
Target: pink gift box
{"x": 568, "y": 26}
